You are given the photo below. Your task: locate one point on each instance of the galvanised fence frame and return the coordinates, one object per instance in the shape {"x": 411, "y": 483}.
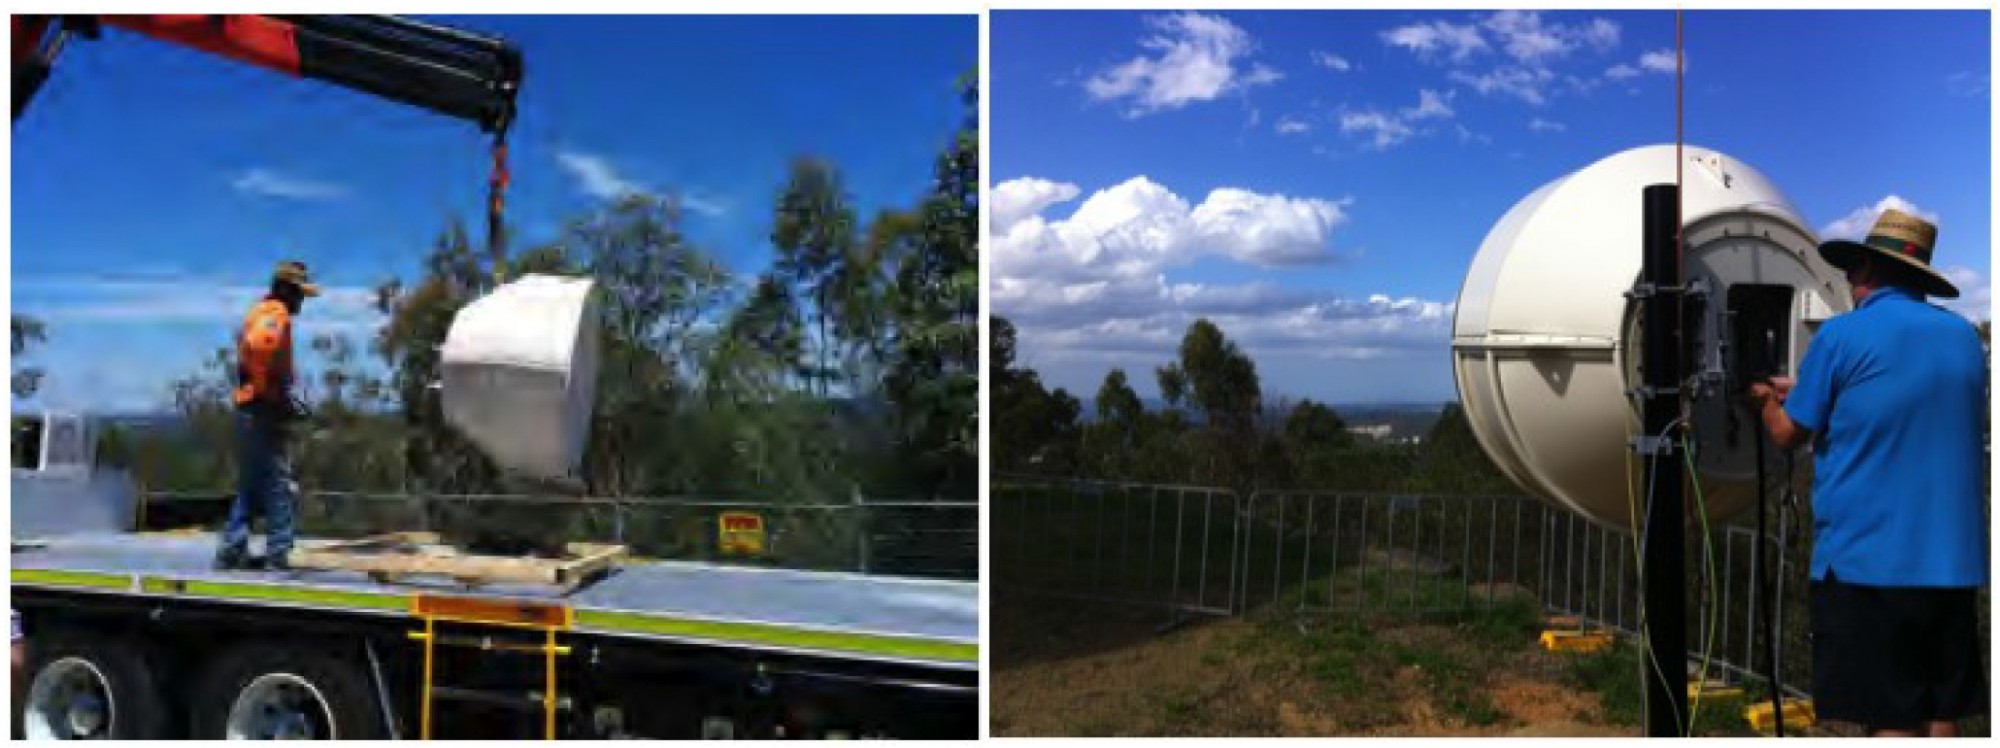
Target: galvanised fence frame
{"x": 1202, "y": 551}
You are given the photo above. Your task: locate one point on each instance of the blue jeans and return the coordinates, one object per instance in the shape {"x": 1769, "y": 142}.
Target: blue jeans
{"x": 263, "y": 486}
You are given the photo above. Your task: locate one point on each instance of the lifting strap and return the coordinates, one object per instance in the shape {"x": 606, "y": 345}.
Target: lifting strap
{"x": 496, "y": 204}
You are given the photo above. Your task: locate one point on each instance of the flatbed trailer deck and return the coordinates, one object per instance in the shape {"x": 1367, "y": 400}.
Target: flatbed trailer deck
{"x": 656, "y": 649}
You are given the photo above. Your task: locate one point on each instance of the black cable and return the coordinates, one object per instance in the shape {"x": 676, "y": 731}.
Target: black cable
{"x": 1764, "y": 572}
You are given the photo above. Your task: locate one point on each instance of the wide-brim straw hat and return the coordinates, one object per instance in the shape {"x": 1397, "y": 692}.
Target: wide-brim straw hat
{"x": 1900, "y": 237}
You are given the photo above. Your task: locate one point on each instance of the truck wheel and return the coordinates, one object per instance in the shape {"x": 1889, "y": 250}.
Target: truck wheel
{"x": 266, "y": 690}
{"x": 90, "y": 688}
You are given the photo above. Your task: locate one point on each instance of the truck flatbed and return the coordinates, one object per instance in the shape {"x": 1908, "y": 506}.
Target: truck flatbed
{"x": 929, "y": 623}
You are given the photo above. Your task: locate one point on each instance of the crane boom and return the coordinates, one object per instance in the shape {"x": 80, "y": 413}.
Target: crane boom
{"x": 455, "y": 73}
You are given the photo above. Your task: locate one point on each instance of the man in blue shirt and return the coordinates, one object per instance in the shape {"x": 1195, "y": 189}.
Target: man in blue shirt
{"x": 1893, "y": 396}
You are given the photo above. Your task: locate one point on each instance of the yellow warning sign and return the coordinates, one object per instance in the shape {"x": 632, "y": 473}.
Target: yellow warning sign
{"x": 740, "y": 534}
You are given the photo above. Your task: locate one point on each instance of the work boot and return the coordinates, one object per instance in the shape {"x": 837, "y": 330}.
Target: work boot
{"x": 231, "y": 559}
{"x": 277, "y": 562}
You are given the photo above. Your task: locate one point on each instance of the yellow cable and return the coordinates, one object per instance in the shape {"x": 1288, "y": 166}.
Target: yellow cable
{"x": 1645, "y": 623}
{"x": 1708, "y": 555}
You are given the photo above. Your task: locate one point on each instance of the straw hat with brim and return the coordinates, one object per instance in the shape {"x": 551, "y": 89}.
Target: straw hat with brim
{"x": 294, "y": 272}
{"x": 1901, "y": 237}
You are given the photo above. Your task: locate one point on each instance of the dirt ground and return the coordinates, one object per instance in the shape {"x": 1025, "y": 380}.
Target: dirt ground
{"x": 1068, "y": 670}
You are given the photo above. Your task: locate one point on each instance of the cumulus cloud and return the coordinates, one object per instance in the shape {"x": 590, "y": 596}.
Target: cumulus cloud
{"x": 1291, "y": 125}
{"x": 1139, "y": 228}
{"x": 1193, "y": 58}
{"x": 264, "y": 182}
{"x": 1016, "y": 199}
{"x": 1095, "y": 285}
{"x": 1854, "y": 226}
{"x": 1621, "y": 71}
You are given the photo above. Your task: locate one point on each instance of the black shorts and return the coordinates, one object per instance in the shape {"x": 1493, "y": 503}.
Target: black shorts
{"x": 1894, "y": 658}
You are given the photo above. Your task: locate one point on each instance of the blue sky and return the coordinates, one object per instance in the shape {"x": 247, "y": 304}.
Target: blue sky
{"x": 1318, "y": 182}
{"x": 154, "y": 187}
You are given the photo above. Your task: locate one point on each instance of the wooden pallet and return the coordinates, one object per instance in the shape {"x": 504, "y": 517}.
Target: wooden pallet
{"x": 392, "y": 557}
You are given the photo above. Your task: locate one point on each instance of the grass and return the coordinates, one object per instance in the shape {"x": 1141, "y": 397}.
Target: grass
{"x": 1615, "y": 675}
{"x": 1350, "y": 659}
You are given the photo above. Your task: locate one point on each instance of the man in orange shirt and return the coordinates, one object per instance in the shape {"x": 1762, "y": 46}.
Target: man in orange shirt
{"x": 264, "y": 408}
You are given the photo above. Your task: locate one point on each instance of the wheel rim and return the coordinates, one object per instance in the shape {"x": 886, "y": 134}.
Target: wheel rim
{"x": 280, "y": 706}
{"x": 70, "y": 699}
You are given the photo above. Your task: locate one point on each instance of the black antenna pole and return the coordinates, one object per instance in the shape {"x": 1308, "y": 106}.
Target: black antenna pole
{"x": 1659, "y": 293}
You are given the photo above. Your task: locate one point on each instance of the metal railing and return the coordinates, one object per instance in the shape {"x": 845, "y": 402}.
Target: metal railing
{"x": 1171, "y": 547}
{"x": 913, "y": 538}
{"x": 1372, "y": 554}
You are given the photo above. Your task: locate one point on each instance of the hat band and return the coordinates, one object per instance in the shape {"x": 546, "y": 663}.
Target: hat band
{"x": 1894, "y": 245}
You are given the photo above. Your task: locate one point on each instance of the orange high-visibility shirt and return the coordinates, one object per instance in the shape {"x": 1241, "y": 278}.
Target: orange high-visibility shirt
{"x": 264, "y": 354}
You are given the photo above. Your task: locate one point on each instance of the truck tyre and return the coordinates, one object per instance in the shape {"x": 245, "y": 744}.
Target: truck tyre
{"x": 85, "y": 687}
{"x": 269, "y": 690}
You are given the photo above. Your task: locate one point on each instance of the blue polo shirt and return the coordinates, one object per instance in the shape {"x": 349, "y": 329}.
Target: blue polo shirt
{"x": 1894, "y": 394}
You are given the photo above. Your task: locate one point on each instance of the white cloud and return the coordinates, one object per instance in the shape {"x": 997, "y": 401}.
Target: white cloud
{"x": 704, "y": 204}
{"x": 1529, "y": 47}
{"x": 1195, "y": 58}
{"x": 270, "y": 183}
{"x": 597, "y": 176}
{"x": 1525, "y": 37}
{"x": 1430, "y": 105}
{"x": 1527, "y": 84}
{"x": 1542, "y": 125}
{"x": 1138, "y": 228}
{"x": 1331, "y": 61}
{"x": 1466, "y": 135}
{"x": 1659, "y": 61}
{"x": 1385, "y": 130}
{"x": 1437, "y": 38}
{"x": 1267, "y": 230}
{"x": 1854, "y": 226}
{"x": 1621, "y": 71}
{"x": 1093, "y": 288}
{"x": 1975, "y": 293}
{"x": 1289, "y": 125}
{"x": 1015, "y": 199}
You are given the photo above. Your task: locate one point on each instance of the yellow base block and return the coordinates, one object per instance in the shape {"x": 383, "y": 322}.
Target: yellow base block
{"x": 1799, "y": 716}
{"x": 1713, "y": 691}
{"x": 1576, "y": 641}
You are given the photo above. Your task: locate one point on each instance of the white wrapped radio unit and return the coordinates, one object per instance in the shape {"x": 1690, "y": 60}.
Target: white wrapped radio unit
{"x": 519, "y": 373}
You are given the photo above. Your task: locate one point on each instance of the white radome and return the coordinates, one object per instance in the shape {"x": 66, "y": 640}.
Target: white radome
{"x": 519, "y": 374}
{"x": 1544, "y": 341}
